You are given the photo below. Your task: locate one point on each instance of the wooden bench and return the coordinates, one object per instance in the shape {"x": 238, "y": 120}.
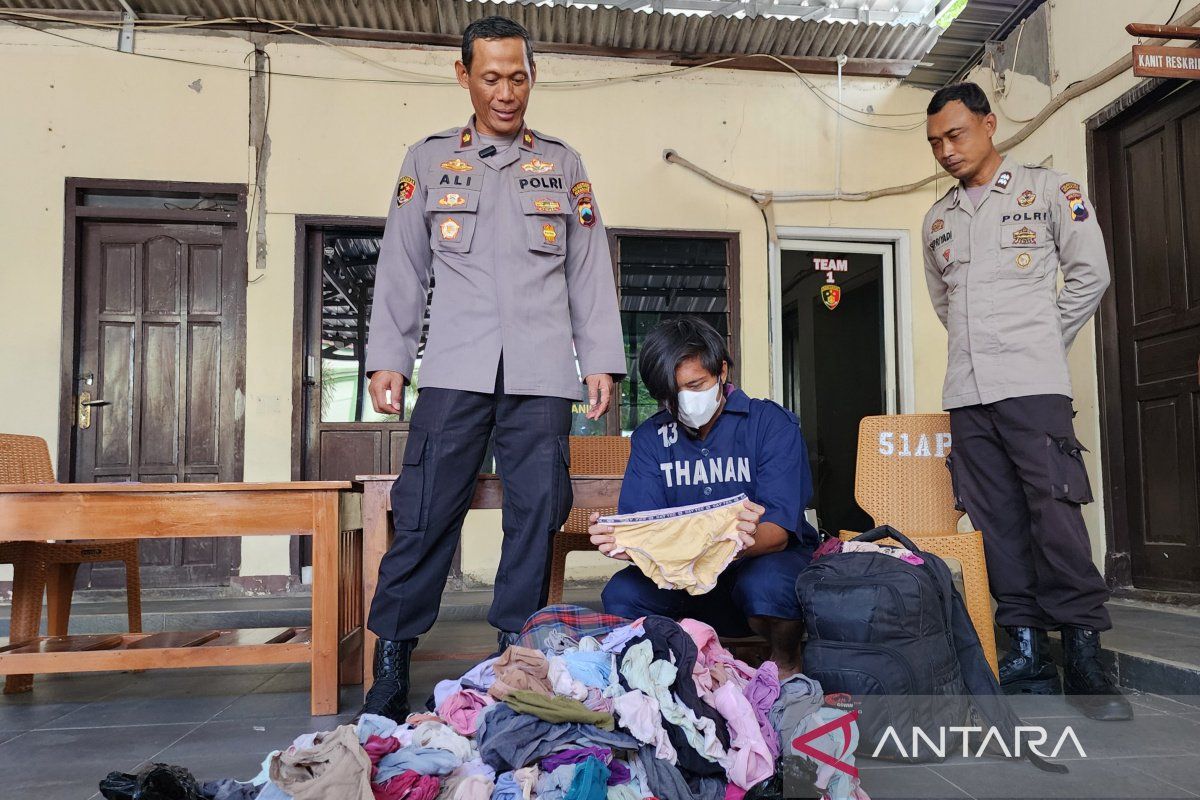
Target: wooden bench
{"x": 328, "y": 511}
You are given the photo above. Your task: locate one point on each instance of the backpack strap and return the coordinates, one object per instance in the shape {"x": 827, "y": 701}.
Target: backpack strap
{"x": 976, "y": 674}
{"x": 886, "y": 532}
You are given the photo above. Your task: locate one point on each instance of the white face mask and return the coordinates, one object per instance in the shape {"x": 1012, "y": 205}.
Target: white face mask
{"x": 697, "y": 408}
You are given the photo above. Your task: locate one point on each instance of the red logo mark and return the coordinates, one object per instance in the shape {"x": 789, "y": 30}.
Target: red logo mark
{"x": 839, "y": 700}
{"x": 842, "y": 723}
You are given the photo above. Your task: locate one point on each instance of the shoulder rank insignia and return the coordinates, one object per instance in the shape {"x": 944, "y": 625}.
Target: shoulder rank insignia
{"x": 450, "y": 229}
{"x": 547, "y": 206}
{"x": 585, "y": 212}
{"x": 405, "y": 190}
{"x": 537, "y": 166}
{"x": 527, "y": 138}
{"x": 452, "y": 200}
{"x": 583, "y": 187}
{"x": 465, "y": 139}
{"x": 1003, "y": 180}
{"x": 1026, "y": 199}
{"x": 457, "y": 165}
{"x": 937, "y": 225}
{"x": 549, "y": 233}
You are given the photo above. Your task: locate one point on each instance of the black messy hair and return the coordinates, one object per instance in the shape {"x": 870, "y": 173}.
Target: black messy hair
{"x": 967, "y": 93}
{"x": 494, "y": 28}
{"x": 673, "y": 342}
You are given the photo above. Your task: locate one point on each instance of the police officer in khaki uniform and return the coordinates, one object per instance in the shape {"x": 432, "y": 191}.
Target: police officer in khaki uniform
{"x": 994, "y": 246}
{"x": 506, "y": 220}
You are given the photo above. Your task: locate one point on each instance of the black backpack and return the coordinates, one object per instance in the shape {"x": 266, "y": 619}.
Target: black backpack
{"x": 897, "y": 639}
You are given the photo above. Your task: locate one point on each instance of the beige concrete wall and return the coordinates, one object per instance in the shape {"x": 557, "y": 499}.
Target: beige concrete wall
{"x": 336, "y": 147}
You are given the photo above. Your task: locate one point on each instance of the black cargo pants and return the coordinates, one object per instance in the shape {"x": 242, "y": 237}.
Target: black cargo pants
{"x": 446, "y": 444}
{"x": 1018, "y": 472}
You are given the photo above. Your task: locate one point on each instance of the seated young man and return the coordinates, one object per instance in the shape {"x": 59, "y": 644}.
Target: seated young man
{"x": 685, "y": 365}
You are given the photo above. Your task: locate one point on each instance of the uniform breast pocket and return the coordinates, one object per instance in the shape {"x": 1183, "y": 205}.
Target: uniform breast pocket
{"x": 1025, "y": 250}
{"x": 453, "y": 213}
{"x": 545, "y": 219}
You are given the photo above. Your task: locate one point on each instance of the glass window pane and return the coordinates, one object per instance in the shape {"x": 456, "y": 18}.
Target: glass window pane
{"x": 187, "y": 201}
{"x": 348, "y": 264}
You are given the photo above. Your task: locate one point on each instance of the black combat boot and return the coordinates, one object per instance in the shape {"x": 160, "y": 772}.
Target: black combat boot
{"x": 388, "y": 696}
{"x": 1027, "y": 667}
{"x": 1087, "y": 685}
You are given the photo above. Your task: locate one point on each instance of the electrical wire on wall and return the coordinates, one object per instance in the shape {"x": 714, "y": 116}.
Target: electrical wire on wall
{"x": 1075, "y": 90}
{"x": 256, "y": 167}
{"x": 1001, "y": 92}
{"x": 758, "y": 195}
{"x": 28, "y": 20}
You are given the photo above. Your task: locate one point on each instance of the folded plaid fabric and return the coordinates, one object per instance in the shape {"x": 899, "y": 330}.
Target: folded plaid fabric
{"x": 555, "y": 628}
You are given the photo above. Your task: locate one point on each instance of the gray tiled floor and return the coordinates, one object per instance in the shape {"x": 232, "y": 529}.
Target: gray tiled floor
{"x": 58, "y": 741}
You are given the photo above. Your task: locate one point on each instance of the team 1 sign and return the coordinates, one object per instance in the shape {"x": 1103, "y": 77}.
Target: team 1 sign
{"x": 907, "y": 446}
{"x": 831, "y": 265}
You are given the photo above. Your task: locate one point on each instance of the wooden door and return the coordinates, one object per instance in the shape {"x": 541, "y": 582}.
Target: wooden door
{"x": 160, "y": 310}
{"x": 1153, "y": 171}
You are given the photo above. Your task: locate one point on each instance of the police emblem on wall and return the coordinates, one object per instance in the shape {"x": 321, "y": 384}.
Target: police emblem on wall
{"x": 831, "y": 295}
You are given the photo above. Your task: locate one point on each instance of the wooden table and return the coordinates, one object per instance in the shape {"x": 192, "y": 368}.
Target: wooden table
{"x": 590, "y": 491}
{"x": 328, "y": 511}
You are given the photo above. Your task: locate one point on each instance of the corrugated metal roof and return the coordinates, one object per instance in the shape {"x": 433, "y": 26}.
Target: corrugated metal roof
{"x": 960, "y": 47}
{"x": 669, "y": 34}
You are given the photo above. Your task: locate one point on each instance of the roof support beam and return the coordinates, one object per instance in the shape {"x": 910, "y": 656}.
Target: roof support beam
{"x": 125, "y": 38}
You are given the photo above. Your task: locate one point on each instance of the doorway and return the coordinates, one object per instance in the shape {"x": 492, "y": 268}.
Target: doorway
{"x": 837, "y": 359}
{"x": 1147, "y": 176}
{"x": 338, "y": 434}
{"x": 154, "y": 355}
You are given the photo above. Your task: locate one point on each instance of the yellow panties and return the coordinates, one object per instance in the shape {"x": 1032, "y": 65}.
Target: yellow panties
{"x": 681, "y": 548}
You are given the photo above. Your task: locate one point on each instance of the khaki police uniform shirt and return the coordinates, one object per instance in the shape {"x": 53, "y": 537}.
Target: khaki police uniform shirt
{"x": 522, "y": 269}
{"x": 993, "y": 277}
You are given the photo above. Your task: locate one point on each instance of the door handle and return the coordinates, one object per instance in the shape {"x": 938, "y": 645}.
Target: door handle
{"x": 83, "y": 415}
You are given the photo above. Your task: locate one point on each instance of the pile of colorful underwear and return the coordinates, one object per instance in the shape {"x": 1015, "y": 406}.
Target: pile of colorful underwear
{"x": 585, "y": 707}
